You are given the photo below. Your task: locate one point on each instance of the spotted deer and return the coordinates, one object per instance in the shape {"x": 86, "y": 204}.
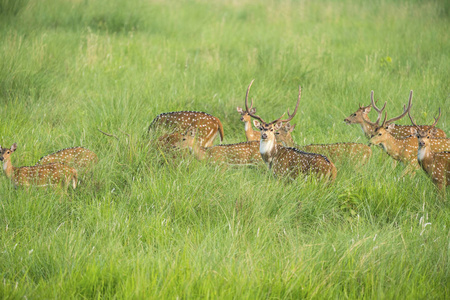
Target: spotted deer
{"x": 435, "y": 163}
{"x": 405, "y": 149}
{"x": 359, "y": 116}
{"x": 245, "y": 153}
{"x": 368, "y": 127}
{"x": 250, "y": 134}
{"x": 402, "y": 131}
{"x": 285, "y": 161}
{"x": 337, "y": 152}
{"x": 53, "y": 174}
{"x": 208, "y": 126}
{"x": 79, "y": 158}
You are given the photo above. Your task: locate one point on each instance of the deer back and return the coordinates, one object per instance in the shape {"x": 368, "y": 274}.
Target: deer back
{"x": 403, "y": 131}
{"x": 244, "y": 153}
{"x": 77, "y": 157}
{"x": 440, "y": 144}
{"x": 293, "y": 162}
{"x": 207, "y": 125}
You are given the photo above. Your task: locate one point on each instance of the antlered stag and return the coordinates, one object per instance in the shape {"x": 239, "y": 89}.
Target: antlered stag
{"x": 398, "y": 131}
{"x": 284, "y": 161}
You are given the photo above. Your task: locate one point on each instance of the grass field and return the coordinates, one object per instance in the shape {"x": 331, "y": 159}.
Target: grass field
{"x": 141, "y": 228}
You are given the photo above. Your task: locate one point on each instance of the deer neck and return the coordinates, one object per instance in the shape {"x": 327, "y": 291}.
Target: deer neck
{"x": 425, "y": 158}
{"x": 268, "y": 149}
{"x": 394, "y": 146}
{"x": 8, "y": 168}
{"x": 366, "y": 127}
{"x": 249, "y": 132}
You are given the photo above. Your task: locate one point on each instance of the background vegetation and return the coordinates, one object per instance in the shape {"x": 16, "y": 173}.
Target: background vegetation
{"x": 141, "y": 228}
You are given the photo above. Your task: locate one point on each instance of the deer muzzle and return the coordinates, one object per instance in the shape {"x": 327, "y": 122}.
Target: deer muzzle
{"x": 264, "y": 136}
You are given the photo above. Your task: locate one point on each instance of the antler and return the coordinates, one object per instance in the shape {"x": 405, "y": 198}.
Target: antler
{"x": 246, "y": 104}
{"x": 431, "y": 126}
{"x": 384, "y": 121}
{"x": 295, "y": 110}
{"x": 412, "y": 121}
{"x": 436, "y": 119}
{"x": 379, "y": 111}
{"x": 405, "y": 110}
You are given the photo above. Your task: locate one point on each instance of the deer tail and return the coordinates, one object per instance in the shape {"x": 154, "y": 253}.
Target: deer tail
{"x": 74, "y": 178}
{"x": 333, "y": 172}
{"x": 220, "y": 130}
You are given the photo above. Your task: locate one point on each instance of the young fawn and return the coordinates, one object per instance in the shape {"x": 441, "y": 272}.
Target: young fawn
{"x": 398, "y": 131}
{"x": 435, "y": 163}
{"x": 337, "y": 152}
{"x": 80, "y": 158}
{"x": 246, "y": 153}
{"x": 208, "y": 126}
{"x": 52, "y": 174}
{"x": 284, "y": 161}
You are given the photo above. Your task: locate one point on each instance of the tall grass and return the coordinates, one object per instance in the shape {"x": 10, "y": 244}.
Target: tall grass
{"x": 138, "y": 227}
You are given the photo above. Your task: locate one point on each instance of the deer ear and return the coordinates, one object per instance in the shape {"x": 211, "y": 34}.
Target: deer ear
{"x": 367, "y": 109}
{"x": 292, "y": 128}
{"x": 256, "y": 123}
{"x": 413, "y": 130}
{"x": 253, "y": 110}
{"x": 278, "y": 125}
{"x": 239, "y": 109}
{"x": 13, "y": 147}
{"x": 390, "y": 127}
{"x": 433, "y": 131}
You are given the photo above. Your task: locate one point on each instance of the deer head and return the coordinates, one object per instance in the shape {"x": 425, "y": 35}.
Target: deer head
{"x": 358, "y": 116}
{"x": 268, "y": 130}
{"x": 380, "y": 132}
{"x": 187, "y": 139}
{"x": 245, "y": 116}
{"x": 284, "y": 135}
{"x": 424, "y": 135}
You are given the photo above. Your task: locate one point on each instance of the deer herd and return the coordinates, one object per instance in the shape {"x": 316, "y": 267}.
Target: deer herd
{"x": 416, "y": 146}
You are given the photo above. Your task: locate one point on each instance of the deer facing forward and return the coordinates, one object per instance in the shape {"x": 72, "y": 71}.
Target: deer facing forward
{"x": 284, "y": 161}
{"x": 53, "y": 174}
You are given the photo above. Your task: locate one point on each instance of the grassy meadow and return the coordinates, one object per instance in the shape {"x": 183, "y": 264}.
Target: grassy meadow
{"x": 141, "y": 226}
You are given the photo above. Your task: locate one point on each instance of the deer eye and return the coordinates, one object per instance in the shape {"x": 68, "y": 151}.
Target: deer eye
{"x": 379, "y": 134}
{"x": 354, "y": 115}
{"x": 277, "y": 132}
